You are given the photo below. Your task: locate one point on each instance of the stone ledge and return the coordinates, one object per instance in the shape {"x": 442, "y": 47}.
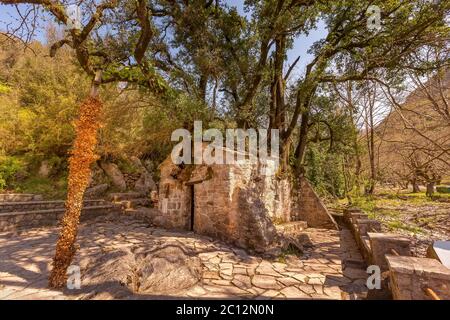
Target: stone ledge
{"x": 26, "y": 219}
{"x": 355, "y": 216}
{"x": 58, "y": 210}
{"x": 410, "y": 276}
{"x": 383, "y": 244}
{"x": 44, "y": 202}
{"x": 368, "y": 225}
{"x": 21, "y": 206}
{"x": 13, "y": 197}
{"x": 292, "y": 226}
{"x": 348, "y": 211}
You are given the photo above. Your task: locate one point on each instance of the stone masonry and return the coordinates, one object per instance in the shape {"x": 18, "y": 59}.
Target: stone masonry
{"x": 411, "y": 276}
{"x": 235, "y": 203}
{"x": 403, "y": 277}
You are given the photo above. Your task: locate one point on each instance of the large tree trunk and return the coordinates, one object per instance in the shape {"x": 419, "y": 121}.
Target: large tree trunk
{"x": 358, "y": 165}
{"x": 277, "y": 112}
{"x": 82, "y": 156}
{"x": 430, "y": 189}
{"x": 302, "y": 143}
{"x": 415, "y": 186}
{"x": 371, "y": 145}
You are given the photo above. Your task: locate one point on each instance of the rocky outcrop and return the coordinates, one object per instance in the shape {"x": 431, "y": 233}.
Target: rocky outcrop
{"x": 97, "y": 176}
{"x": 116, "y": 176}
{"x": 44, "y": 169}
{"x": 145, "y": 269}
{"x": 137, "y": 163}
{"x": 145, "y": 183}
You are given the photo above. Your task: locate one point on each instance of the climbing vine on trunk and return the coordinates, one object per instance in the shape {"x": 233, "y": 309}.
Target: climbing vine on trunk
{"x": 82, "y": 156}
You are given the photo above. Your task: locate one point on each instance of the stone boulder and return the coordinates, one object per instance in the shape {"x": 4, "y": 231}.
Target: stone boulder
{"x": 97, "y": 176}
{"x": 116, "y": 176}
{"x": 96, "y": 191}
{"x": 145, "y": 183}
{"x": 146, "y": 270}
{"x": 168, "y": 269}
{"x": 137, "y": 163}
{"x": 44, "y": 169}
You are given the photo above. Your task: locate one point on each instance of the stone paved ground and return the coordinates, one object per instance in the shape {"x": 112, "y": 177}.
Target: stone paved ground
{"x": 226, "y": 272}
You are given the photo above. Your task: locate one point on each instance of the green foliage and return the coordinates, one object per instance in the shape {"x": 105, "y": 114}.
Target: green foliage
{"x": 324, "y": 171}
{"x": 443, "y": 189}
{"x": 9, "y": 166}
{"x": 4, "y": 88}
{"x": 49, "y": 187}
{"x": 330, "y": 136}
{"x": 200, "y": 51}
{"x": 42, "y": 102}
{"x": 126, "y": 166}
{"x": 396, "y": 225}
{"x": 314, "y": 165}
{"x": 160, "y": 121}
{"x": 367, "y": 203}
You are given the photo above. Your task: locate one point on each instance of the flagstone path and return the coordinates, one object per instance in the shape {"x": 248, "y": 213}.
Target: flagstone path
{"x": 226, "y": 272}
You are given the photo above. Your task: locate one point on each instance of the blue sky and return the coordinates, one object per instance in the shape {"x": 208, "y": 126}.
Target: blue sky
{"x": 301, "y": 44}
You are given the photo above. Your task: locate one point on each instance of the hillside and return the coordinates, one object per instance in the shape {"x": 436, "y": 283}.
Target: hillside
{"x": 414, "y": 140}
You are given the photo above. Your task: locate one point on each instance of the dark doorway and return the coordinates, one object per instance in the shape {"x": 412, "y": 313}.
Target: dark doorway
{"x": 192, "y": 206}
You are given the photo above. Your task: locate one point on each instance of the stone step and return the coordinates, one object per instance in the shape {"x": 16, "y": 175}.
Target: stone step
{"x": 292, "y": 227}
{"x": 117, "y": 197}
{"x": 19, "y": 197}
{"x": 42, "y": 205}
{"x": 36, "y": 218}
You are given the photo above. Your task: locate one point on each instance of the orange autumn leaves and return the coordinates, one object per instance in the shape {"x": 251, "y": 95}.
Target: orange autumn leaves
{"x": 81, "y": 158}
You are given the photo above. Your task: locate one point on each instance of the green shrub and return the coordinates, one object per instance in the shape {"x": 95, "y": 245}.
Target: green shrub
{"x": 126, "y": 166}
{"x": 443, "y": 189}
{"x": 50, "y": 188}
{"x": 4, "y": 88}
{"x": 9, "y": 166}
{"x": 365, "y": 203}
{"x": 398, "y": 225}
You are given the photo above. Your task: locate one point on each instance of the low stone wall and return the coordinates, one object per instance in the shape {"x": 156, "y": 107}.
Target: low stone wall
{"x": 373, "y": 244}
{"x": 18, "y": 197}
{"x": 410, "y": 277}
{"x": 310, "y": 208}
{"x": 29, "y": 219}
{"x": 41, "y": 205}
{"x": 403, "y": 277}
